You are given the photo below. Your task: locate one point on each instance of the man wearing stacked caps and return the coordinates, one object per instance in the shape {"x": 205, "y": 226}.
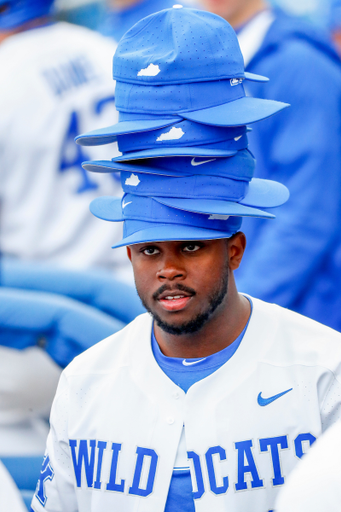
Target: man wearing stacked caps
{"x": 208, "y": 402}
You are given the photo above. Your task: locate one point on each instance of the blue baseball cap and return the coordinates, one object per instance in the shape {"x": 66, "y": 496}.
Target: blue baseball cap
{"x": 146, "y": 220}
{"x": 218, "y": 103}
{"x": 206, "y": 193}
{"x": 241, "y": 166}
{"x": 136, "y": 207}
{"x": 224, "y": 148}
{"x": 184, "y": 133}
{"x": 178, "y": 46}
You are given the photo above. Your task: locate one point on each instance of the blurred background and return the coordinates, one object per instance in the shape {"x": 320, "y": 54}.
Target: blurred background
{"x": 89, "y": 12}
{"x": 62, "y": 288}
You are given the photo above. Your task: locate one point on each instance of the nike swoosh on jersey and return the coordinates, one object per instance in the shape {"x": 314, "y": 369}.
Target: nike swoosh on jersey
{"x": 190, "y": 363}
{"x": 266, "y": 401}
{"x": 125, "y": 204}
{"x": 194, "y": 163}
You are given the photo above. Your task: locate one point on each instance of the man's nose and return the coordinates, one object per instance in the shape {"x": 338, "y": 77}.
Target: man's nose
{"x": 171, "y": 270}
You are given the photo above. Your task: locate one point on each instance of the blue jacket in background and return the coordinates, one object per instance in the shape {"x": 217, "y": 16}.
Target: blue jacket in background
{"x": 295, "y": 260}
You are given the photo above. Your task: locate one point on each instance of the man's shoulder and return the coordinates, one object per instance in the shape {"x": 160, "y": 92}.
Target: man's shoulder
{"x": 294, "y": 321}
{"x": 294, "y": 338}
{"x": 104, "y": 357}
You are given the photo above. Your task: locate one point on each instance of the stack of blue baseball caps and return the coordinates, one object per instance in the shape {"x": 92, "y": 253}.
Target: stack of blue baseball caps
{"x": 185, "y": 168}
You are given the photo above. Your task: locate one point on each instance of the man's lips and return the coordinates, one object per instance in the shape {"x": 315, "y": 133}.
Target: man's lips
{"x": 174, "y": 300}
{"x": 174, "y": 303}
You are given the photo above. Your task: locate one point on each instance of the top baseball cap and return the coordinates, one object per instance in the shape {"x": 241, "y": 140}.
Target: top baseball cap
{"x": 177, "y": 46}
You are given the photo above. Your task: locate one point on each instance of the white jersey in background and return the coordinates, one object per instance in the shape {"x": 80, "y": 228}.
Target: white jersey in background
{"x": 117, "y": 420}
{"x": 315, "y": 484}
{"x": 10, "y": 498}
{"x": 55, "y": 83}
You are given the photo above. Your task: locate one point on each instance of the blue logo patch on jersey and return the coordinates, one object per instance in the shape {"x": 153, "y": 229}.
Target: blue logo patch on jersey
{"x": 266, "y": 401}
{"x": 46, "y": 473}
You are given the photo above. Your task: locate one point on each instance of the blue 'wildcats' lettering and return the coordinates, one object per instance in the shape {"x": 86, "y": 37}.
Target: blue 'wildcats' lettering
{"x": 146, "y": 464}
{"x": 300, "y": 439}
{"x": 46, "y": 473}
{"x": 70, "y": 75}
{"x": 87, "y": 457}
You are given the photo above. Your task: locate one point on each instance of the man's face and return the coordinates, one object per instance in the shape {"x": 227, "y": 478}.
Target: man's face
{"x": 235, "y": 12}
{"x": 181, "y": 283}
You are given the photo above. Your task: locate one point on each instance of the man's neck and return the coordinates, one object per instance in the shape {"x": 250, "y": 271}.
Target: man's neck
{"x": 222, "y": 328}
{"x": 241, "y": 17}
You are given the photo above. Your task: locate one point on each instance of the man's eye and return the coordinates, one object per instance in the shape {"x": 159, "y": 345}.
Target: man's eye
{"x": 150, "y": 251}
{"x": 191, "y": 247}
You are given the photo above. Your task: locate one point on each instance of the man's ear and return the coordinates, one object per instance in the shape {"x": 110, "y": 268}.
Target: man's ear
{"x": 236, "y": 248}
{"x": 128, "y": 252}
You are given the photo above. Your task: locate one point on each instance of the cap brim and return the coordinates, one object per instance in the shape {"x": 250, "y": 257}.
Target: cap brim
{"x": 109, "y": 134}
{"x": 265, "y": 194}
{"x": 214, "y": 207}
{"x": 107, "y": 208}
{"x": 171, "y": 232}
{"x": 255, "y": 78}
{"x": 243, "y": 111}
{"x": 199, "y": 151}
{"x": 110, "y": 166}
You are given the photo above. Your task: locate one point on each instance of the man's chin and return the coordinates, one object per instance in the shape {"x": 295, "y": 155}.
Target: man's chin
{"x": 179, "y": 328}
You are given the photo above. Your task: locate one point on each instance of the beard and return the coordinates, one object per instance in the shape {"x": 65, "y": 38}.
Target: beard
{"x": 196, "y": 323}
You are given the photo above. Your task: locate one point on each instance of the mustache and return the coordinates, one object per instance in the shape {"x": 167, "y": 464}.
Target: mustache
{"x": 167, "y": 288}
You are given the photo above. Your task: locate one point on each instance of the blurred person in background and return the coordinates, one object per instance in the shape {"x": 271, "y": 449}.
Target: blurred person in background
{"x": 111, "y": 18}
{"x": 297, "y": 262}
{"x": 55, "y": 84}
{"x": 121, "y": 15}
{"x": 10, "y": 498}
{"x": 335, "y": 23}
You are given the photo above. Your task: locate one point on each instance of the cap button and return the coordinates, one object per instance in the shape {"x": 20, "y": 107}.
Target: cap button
{"x": 177, "y": 6}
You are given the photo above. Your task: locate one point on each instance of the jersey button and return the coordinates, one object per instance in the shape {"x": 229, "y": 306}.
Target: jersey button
{"x": 176, "y": 395}
{"x": 170, "y": 420}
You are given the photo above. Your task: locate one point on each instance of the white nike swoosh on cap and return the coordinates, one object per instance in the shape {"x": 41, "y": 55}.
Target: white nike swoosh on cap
{"x": 125, "y": 204}
{"x": 189, "y": 363}
{"x": 194, "y": 163}
{"x": 237, "y": 138}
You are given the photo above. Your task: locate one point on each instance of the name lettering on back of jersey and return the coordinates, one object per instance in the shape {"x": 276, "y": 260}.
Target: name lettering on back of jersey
{"x": 97, "y": 465}
{"x": 69, "y": 75}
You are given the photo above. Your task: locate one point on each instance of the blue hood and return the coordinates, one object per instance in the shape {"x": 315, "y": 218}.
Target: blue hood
{"x": 286, "y": 28}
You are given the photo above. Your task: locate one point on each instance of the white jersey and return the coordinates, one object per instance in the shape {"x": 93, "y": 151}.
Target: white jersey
{"x": 55, "y": 83}
{"x": 117, "y": 420}
{"x": 315, "y": 483}
{"x": 10, "y": 498}
{"x": 28, "y": 382}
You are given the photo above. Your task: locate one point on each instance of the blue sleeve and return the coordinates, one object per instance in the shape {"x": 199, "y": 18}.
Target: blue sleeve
{"x": 300, "y": 147}
{"x": 66, "y": 326}
{"x": 98, "y": 288}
